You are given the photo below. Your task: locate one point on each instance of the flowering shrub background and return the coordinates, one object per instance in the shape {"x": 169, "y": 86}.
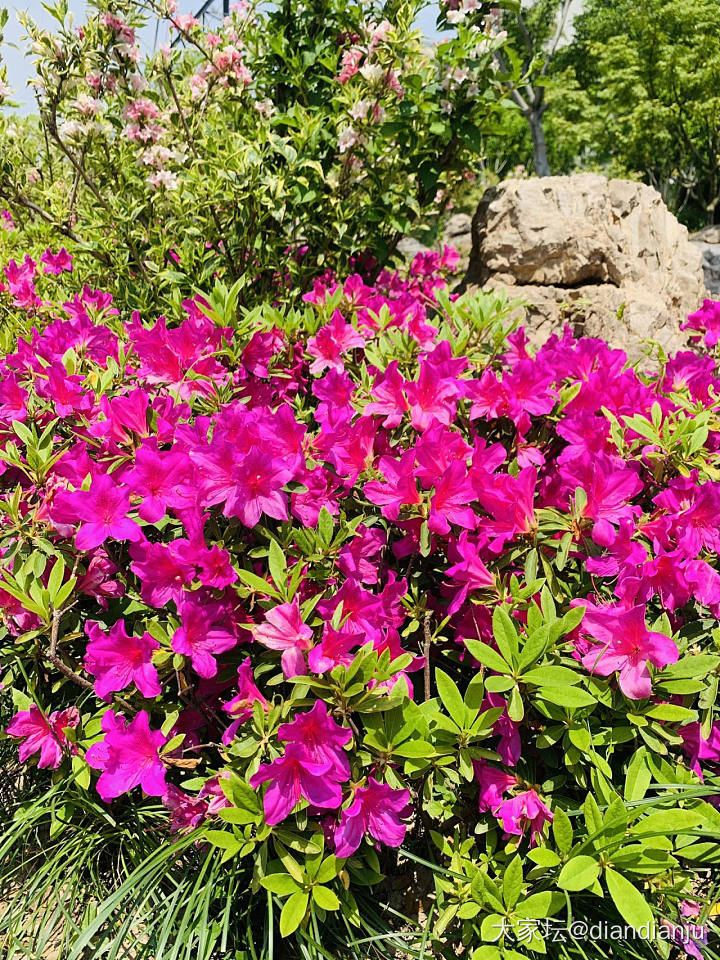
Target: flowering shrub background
{"x": 284, "y": 142}
{"x": 329, "y": 593}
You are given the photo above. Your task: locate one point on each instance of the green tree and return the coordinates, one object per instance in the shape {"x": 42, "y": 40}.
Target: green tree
{"x": 536, "y": 30}
{"x": 651, "y": 73}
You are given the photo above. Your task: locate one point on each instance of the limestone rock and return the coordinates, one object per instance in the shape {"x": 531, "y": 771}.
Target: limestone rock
{"x": 458, "y": 233}
{"x": 707, "y": 241}
{"x": 604, "y": 255}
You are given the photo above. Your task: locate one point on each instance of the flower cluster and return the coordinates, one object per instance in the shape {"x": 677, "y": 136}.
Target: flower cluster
{"x": 268, "y": 550}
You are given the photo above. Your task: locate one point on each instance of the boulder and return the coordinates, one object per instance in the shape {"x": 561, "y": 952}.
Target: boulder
{"x": 606, "y": 256}
{"x": 707, "y": 241}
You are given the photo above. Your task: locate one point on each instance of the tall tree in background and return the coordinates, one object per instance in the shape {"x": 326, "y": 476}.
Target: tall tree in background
{"x": 651, "y": 72}
{"x": 536, "y": 29}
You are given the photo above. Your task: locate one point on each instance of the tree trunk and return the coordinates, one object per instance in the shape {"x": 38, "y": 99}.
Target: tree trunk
{"x": 540, "y": 157}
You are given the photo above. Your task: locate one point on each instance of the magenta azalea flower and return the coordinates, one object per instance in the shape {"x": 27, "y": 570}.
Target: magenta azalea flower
{"x": 56, "y": 262}
{"x": 102, "y": 511}
{"x": 625, "y": 645}
{"x": 494, "y": 784}
{"x": 293, "y": 777}
{"x": 522, "y": 811}
{"x": 259, "y": 480}
{"x": 116, "y": 660}
{"x": 697, "y": 748}
{"x": 376, "y": 810}
{"x": 128, "y": 757}
{"x": 320, "y": 739}
{"x": 285, "y": 630}
{"x": 44, "y": 735}
{"x": 240, "y": 707}
{"x": 200, "y": 637}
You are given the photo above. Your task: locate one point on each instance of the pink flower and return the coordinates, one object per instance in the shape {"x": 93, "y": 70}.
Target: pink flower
{"x": 56, "y": 263}
{"x": 319, "y": 739}
{"x": 102, "y": 512}
{"x": 158, "y": 477}
{"x": 625, "y": 645}
{"x": 469, "y": 573}
{"x": 285, "y": 630}
{"x": 65, "y": 391}
{"x": 44, "y": 734}
{"x": 697, "y": 748}
{"x": 453, "y": 493}
{"x": 330, "y": 342}
{"x": 376, "y": 810}
{"x": 430, "y": 398}
{"x": 336, "y": 647}
{"x": 522, "y": 811}
{"x": 116, "y": 660}
{"x": 128, "y": 757}
{"x": 240, "y": 707}
{"x": 356, "y": 558}
{"x": 390, "y": 401}
{"x": 201, "y": 637}
{"x": 292, "y": 777}
{"x": 398, "y": 490}
{"x": 494, "y": 784}
{"x": 510, "y": 502}
{"x": 259, "y": 482}
{"x": 163, "y": 570}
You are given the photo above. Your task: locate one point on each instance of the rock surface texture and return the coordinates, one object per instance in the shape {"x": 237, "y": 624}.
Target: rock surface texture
{"x": 605, "y": 256}
{"x": 707, "y": 241}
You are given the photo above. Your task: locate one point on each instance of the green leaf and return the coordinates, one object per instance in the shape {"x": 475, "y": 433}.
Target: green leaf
{"x": 631, "y": 904}
{"x": 544, "y": 857}
{"x": 505, "y": 634}
{"x": 450, "y": 696}
{"x": 562, "y": 830}
{"x": 515, "y": 707}
{"x": 571, "y": 697}
{"x": 690, "y": 667}
{"x": 223, "y": 839}
{"x": 541, "y": 905}
{"x": 280, "y": 883}
{"x": 666, "y": 822}
{"x": 512, "y": 882}
{"x": 277, "y": 565}
{"x": 551, "y": 676}
{"x": 578, "y": 873}
{"x": 293, "y": 913}
{"x": 671, "y": 713}
{"x": 474, "y": 693}
{"x": 325, "y": 898}
{"x": 487, "y": 656}
{"x": 638, "y": 776}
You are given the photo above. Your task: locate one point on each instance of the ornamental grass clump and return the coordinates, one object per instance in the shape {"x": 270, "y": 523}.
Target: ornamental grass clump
{"x": 297, "y": 603}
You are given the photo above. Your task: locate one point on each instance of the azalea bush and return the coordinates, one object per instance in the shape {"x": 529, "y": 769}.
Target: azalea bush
{"x": 287, "y": 140}
{"x": 351, "y": 628}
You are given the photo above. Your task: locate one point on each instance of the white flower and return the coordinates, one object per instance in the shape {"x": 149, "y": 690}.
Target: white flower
{"x": 266, "y": 108}
{"x": 455, "y": 16}
{"x": 72, "y": 129}
{"x": 88, "y": 106}
{"x": 138, "y": 82}
{"x": 347, "y": 139}
{"x": 359, "y": 110}
{"x": 371, "y": 72}
{"x": 163, "y": 178}
{"x": 446, "y": 106}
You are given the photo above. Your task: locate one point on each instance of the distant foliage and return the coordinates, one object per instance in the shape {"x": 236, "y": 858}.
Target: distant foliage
{"x": 288, "y": 140}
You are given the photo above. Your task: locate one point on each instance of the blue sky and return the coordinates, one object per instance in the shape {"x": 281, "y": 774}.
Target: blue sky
{"x": 19, "y": 62}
